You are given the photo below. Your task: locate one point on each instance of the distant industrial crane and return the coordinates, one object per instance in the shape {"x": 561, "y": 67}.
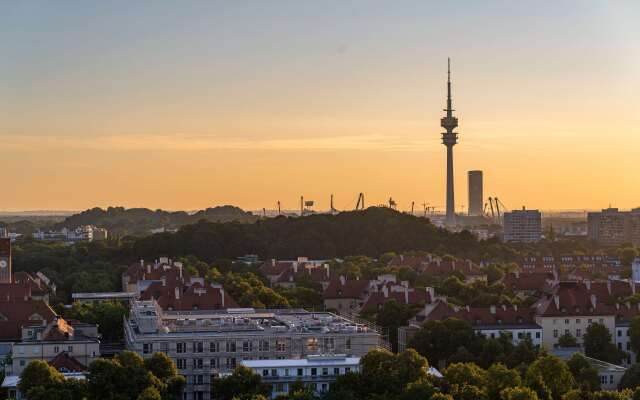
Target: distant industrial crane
{"x": 332, "y": 209}
{"x": 413, "y": 203}
{"x": 279, "y": 211}
{"x": 360, "y": 202}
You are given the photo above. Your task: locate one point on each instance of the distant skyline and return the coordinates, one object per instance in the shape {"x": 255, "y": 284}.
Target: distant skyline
{"x": 202, "y": 103}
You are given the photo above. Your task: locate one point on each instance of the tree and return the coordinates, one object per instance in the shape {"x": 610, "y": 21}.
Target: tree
{"x": 150, "y": 393}
{"x": 438, "y": 340}
{"x": 627, "y": 255}
{"x": 441, "y": 396}
{"x": 499, "y": 378}
{"x": 584, "y": 374}
{"x": 465, "y": 374}
{"x": 38, "y": 373}
{"x": 391, "y": 316}
{"x": 518, "y": 393}
{"x": 161, "y": 366}
{"x": 567, "y": 340}
{"x": 553, "y": 373}
{"x": 631, "y": 378}
{"x": 523, "y": 354}
{"x": 597, "y": 344}
{"x": 634, "y": 334}
{"x": 241, "y": 381}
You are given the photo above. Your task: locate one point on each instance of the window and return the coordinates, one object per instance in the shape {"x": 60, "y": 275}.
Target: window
{"x": 590, "y": 321}
{"x": 231, "y": 346}
{"x": 566, "y": 332}
{"x": 231, "y": 362}
{"x": 56, "y": 349}
{"x": 628, "y": 345}
{"x": 274, "y": 372}
{"x": 286, "y": 372}
{"x": 578, "y": 321}
{"x": 164, "y": 347}
{"x": 247, "y": 346}
{"x": 281, "y": 345}
{"x": 578, "y": 332}
{"x": 147, "y": 348}
{"x": 197, "y": 363}
{"x": 347, "y": 370}
{"x": 213, "y": 363}
{"x": 181, "y": 347}
{"x": 199, "y": 380}
{"x": 214, "y": 347}
{"x": 263, "y": 345}
{"x": 347, "y": 344}
{"x": 324, "y": 387}
{"x": 265, "y": 372}
{"x": 70, "y": 349}
{"x": 314, "y": 371}
{"x": 197, "y": 347}
{"x": 329, "y": 344}
{"x": 537, "y": 335}
{"x": 555, "y": 333}
{"x": 520, "y": 335}
{"x": 566, "y": 322}
{"x": 336, "y": 371}
{"x": 529, "y": 335}
{"x": 619, "y": 346}
{"x": 619, "y": 333}
{"x": 325, "y": 371}
{"x": 601, "y": 320}
{"x": 300, "y": 371}
{"x": 181, "y": 363}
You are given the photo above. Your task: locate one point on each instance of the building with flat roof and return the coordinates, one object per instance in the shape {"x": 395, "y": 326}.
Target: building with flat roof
{"x": 613, "y": 227}
{"x": 206, "y": 343}
{"x": 476, "y": 205}
{"x": 317, "y": 372}
{"x": 523, "y": 226}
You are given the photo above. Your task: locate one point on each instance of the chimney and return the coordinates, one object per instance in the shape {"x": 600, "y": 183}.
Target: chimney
{"x": 177, "y": 292}
{"x": 295, "y": 267}
{"x": 148, "y": 268}
{"x": 432, "y": 293}
{"x": 556, "y": 299}
{"x": 609, "y": 286}
{"x": 504, "y": 307}
{"x": 406, "y": 295}
{"x": 326, "y": 268}
{"x": 633, "y": 286}
{"x": 587, "y": 283}
{"x": 273, "y": 262}
{"x": 164, "y": 281}
{"x": 593, "y": 301}
{"x": 142, "y": 263}
{"x": 385, "y": 291}
{"x": 515, "y": 307}
{"x": 467, "y": 308}
{"x": 517, "y": 274}
{"x": 617, "y": 306}
{"x": 343, "y": 280}
{"x": 222, "y": 296}
{"x": 492, "y": 309}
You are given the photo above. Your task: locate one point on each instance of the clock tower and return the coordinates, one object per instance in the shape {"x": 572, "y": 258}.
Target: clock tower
{"x": 5, "y": 260}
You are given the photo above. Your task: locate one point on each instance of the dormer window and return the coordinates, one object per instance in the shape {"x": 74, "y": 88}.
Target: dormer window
{"x": 519, "y": 320}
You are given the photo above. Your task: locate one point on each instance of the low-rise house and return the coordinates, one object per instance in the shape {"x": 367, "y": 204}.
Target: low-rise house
{"x": 273, "y": 269}
{"x": 346, "y": 295}
{"x": 10, "y": 384}
{"x": 517, "y": 323}
{"x": 526, "y": 284}
{"x": 403, "y": 294}
{"x": 316, "y": 274}
{"x": 79, "y": 341}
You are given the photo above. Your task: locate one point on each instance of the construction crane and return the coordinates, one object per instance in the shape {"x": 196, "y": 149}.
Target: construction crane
{"x": 279, "y": 211}
{"x": 413, "y": 203}
{"x": 332, "y": 209}
{"x": 360, "y": 203}
{"x": 493, "y": 215}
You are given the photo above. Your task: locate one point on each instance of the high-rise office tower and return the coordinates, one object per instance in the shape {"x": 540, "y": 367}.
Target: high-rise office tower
{"x": 523, "y": 226}
{"x": 449, "y": 139}
{"x": 475, "y": 193}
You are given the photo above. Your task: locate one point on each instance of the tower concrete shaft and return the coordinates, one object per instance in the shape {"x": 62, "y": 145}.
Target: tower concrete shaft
{"x": 449, "y": 139}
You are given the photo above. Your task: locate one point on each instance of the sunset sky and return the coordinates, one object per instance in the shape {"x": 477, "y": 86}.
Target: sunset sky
{"x": 186, "y": 105}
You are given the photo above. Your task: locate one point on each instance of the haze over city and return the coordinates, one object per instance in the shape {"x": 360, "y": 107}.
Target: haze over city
{"x": 171, "y": 106}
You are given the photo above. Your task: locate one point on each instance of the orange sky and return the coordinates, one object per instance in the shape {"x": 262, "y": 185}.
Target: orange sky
{"x": 187, "y": 108}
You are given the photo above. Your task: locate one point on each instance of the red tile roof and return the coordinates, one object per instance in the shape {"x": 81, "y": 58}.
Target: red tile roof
{"x": 346, "y": 289}
{"x": 18, "y": 313}
{"x": 482, "y": 316}
{"x": 573, "y": 299}
{"x": 192, "y": 297}
{"x": 413, "y": 296}
{"x": 64, "y": 362}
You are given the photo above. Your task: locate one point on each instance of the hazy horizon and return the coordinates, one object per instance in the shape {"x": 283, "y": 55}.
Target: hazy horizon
{"x": 182, "y": 107}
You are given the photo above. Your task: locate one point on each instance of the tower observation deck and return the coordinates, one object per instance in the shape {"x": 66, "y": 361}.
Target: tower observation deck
{"x": 449, "y": 139}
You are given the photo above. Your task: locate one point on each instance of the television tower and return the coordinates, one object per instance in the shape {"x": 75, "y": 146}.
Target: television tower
{"x": 449, "y": 139}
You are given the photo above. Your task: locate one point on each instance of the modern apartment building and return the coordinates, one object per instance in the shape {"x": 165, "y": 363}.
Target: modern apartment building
{"x": 316, "y": 372}
{"x": 205, "y": 343}
{"x": 613, "y": 227}
{"x": 523, "y": 226}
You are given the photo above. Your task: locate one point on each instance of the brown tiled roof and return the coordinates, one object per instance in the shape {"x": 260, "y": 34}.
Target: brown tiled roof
{"x": 315, "y": 274}
{"x": 415, "y": 296}
{"x": 570, "y": 298}
{"x": 273, "y": 267}
{"x": 192, "y": 297}
{"x": 350, "y": 289}
{"x": 24, "y": 278}
{"x": 525, "y": 281}
{"x": 483, "y": 316}
{"x": 64, "y": 362}
{"x": 17, "y": 313}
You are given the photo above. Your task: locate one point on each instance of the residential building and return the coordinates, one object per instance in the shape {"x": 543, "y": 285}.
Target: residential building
{"x": 86, "y": 233}
{"x": 317, "y": 372}
{"x": 613, "y": 227}
{"x": 517, "y": 323}
{"x": 273, "y": 269}
{"x": 80, "y": 341}
{"x": 346, "y": 295}
{"x": 523, "y": 226}
{"x": 5, "y": 260}
{"x": 205, "y": 343}
{"x": 10, "y": 384}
